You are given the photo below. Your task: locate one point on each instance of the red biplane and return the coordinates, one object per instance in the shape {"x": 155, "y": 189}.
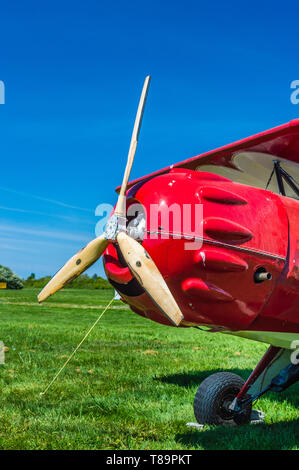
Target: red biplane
{"x": 242, "y": 279}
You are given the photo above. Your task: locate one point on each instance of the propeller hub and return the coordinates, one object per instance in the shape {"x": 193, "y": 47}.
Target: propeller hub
{"x": 115, "y": 224}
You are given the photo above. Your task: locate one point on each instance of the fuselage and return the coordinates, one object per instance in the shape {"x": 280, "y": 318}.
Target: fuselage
{"x": 210, "y": 237}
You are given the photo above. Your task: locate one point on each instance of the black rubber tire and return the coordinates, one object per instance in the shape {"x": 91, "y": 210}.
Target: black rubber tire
{"x": 212, "y": 393}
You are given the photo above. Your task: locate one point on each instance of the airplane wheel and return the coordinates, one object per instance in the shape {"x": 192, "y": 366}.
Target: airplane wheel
{"x": 213, "y": 397}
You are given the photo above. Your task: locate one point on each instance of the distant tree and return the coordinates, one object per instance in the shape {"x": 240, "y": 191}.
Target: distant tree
{"x": 32, "y": 276}
{"x": 82, "y": 282}
{"x": 12, "y": 280}
{"x": 39, "y": 283}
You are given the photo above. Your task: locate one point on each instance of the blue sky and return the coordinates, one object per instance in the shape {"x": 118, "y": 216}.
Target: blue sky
{"x": 73, "y": 73}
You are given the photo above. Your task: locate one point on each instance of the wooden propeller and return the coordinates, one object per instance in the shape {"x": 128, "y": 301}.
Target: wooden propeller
{"x": 75, "y": 266}
{"x": 120, "y": 208}
{"x": 138, "y": 260}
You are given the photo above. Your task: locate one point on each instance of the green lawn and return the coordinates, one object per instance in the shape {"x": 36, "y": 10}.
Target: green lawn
{"x": 130, "y": 386}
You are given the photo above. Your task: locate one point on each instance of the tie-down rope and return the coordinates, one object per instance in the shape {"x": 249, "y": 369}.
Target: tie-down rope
{"x": 76, "y": 349}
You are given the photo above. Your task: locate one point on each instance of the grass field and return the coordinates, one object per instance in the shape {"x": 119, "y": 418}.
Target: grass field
{"x": 130, "y": 386}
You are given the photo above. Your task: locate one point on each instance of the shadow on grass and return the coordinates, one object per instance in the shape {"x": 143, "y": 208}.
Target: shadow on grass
{"x": 194, "y": 378}
{"x": 278, "y": 436}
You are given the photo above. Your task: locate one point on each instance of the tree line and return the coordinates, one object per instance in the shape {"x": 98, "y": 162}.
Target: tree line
{"x": 13, "y": 281}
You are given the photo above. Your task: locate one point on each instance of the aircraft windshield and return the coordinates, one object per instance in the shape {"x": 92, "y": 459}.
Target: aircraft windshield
{"x": 262, "y": 171}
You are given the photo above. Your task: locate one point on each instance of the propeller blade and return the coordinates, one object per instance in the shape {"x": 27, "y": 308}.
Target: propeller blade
{"x": 75, "y": 266}
{"x": 120, "y": 208}
{"x": 150, "y": 278}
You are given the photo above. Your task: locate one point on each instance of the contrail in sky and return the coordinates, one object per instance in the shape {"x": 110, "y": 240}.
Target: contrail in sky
{"x": 52, "y": 201}
{"x": 28, "y": 211}
{"x": 43, "y": 233}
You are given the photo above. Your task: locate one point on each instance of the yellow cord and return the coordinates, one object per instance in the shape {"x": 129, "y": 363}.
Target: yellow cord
{"x": 74, "y": 352}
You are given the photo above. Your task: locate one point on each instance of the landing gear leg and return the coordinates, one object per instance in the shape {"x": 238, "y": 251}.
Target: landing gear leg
{"x": 275, "y": 372}
{"x": 224, "y": 398}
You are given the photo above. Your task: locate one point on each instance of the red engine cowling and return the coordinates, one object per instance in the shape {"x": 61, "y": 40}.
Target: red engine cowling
{"x": 210, "y": 267}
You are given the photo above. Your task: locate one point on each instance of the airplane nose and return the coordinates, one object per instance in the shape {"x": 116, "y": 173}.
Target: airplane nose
{"x": 209, "y": 267}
